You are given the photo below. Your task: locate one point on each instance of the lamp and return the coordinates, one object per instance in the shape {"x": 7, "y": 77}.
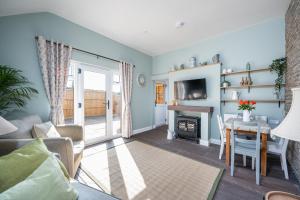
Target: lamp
{"x": 6, "y": 126}
{"x": 289, "y": 128}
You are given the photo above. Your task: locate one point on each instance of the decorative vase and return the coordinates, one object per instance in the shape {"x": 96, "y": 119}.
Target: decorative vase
{"x": 193, "y": 61}
{"x": 216, "y": 59}
{"x": 246, "y": 115}
{"x": 235, "y": 95}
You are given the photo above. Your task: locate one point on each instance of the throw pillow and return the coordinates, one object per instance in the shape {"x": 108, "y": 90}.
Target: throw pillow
{"x": 45, "y": 130}
{"x": 19, "y": 164}
{"x": 47, "y": 182}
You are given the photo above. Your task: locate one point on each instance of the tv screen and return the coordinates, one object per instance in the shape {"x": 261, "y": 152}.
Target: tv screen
{"x": 190, "y": 89}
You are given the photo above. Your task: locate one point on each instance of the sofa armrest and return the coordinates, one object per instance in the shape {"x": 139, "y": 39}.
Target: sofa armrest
{"x": 75, "y": 132}
{"x": 62, "y": 146}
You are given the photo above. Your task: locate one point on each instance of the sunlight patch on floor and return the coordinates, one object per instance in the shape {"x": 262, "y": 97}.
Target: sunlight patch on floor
{"x": 100, "y": 167}
{"x": 133, "y": 179}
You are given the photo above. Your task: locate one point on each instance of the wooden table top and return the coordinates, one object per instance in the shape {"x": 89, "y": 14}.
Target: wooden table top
{"x": 248, "y": 126}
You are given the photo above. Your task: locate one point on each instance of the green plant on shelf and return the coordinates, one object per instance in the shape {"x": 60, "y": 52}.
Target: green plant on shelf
{"x": 279, "y": 66}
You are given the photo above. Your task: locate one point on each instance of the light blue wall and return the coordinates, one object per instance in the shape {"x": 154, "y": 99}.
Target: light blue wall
{"x": 18, "y": 49}
{"x": 258, "y": 44}
{"x": 213, "y": 95}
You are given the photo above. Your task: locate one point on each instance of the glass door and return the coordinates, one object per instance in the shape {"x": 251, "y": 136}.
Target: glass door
{"x": 98, "y": 99}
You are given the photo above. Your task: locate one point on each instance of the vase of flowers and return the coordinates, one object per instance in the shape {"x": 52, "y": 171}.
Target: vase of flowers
{"x": 247, "y": 107}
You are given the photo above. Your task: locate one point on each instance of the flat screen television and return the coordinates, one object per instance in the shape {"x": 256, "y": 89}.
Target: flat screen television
{"x": 190, "y": 89}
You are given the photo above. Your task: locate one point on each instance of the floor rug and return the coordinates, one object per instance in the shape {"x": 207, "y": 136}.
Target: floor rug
{"x": 136, "y": 170}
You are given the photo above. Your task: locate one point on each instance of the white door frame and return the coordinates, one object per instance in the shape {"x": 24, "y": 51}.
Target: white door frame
{"x": 79, "y": 97}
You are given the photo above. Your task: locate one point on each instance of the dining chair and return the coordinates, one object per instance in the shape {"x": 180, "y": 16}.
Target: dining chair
{"x": 226, "y": 117}
{"x": 246, "y": 147}
{"x": 279, "y": 148}
{"x": 222, "y": 135}
{"x": 222, "y": 130}
{"x": 261, "y": 117}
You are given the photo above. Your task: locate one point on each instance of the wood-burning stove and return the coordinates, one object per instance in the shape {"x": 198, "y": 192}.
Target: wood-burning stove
{"x": 188, "y": 127}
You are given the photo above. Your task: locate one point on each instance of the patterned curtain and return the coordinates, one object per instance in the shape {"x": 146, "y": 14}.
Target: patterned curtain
{"x": 126, "y": 81}
{"x": 54, "y": 60}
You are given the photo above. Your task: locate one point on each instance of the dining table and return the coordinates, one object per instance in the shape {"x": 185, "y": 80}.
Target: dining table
{"x": 248, "y": 128}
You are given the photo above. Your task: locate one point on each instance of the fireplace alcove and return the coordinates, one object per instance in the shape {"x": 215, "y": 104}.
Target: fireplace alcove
{"x": 205, "y": 111}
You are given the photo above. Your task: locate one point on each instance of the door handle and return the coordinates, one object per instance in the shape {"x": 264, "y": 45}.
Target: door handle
{"x": 108, "y": 104}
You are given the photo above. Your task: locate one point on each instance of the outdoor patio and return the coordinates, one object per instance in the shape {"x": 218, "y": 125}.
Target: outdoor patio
{"x": 95, "y": 126}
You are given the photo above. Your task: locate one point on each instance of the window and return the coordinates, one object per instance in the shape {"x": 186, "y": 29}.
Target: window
{"x": 160, "y": 93}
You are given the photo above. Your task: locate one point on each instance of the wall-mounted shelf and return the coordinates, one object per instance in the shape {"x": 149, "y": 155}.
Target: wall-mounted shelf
{"x": 279, "y": 101}
{"x": 246, "y": 71}
{"x": 249, "y": 86}
{"x": 198, "y": 66}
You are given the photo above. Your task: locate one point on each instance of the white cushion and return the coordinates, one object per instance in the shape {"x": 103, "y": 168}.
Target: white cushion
{"x": 45, "y": 130}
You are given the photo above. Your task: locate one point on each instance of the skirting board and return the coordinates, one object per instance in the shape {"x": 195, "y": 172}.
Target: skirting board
{"x": 215, "y": 141}
{"x": 141, "y": 130}
{"x": 204, "y": 142}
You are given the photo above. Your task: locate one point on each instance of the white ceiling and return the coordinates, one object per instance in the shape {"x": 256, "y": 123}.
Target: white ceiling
{"x": 149, "y": 25}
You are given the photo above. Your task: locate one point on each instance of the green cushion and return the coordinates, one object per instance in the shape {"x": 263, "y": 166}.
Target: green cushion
{"x": 19, "y": 164}
{"x": 47, "y": 182}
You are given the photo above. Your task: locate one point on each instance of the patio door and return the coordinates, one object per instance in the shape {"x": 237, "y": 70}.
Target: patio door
{"x": 97, "y": 102}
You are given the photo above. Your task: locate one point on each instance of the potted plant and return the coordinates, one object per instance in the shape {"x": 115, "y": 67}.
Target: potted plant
{"x": 247, "y": 107}
{"x": 279, "y": 66}
{"x": 14, "y": 89}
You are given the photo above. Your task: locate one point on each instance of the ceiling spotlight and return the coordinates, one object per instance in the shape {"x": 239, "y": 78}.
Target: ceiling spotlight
{"x": 179, "y": 24}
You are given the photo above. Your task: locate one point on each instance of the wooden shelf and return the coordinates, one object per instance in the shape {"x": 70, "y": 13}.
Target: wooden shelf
{"x": 251, "y": 86}
{"x": 258, "y": 101}
{"x": 279, "y": 101}
{"x": 246, "y": 71}
{"x": 198, "y": 66}
{"x": 191, "y": 108}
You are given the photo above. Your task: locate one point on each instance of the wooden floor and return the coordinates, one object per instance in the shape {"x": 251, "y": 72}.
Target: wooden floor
{"x": 241, "y": 186}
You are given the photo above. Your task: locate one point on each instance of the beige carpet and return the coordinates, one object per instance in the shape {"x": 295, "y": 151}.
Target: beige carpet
{"x": 140, "y": 171}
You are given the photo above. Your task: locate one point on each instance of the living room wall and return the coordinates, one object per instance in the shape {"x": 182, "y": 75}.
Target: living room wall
{"x": 18, "y": 49}
{"x": 258, "y": 44}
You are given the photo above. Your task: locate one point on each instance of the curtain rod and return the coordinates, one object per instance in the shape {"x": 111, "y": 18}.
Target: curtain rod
{"x": 91, "y": 53}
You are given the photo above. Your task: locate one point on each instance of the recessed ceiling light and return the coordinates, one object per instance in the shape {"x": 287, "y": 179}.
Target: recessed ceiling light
{"x": 179, "y": 24}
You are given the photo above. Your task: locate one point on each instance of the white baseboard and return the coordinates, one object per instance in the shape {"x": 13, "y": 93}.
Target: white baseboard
{"x": 215, "y": 141}
{"x": 141, "y": 130}
{"x": 158, "y": 125}
{"x": 204, "y": 142}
